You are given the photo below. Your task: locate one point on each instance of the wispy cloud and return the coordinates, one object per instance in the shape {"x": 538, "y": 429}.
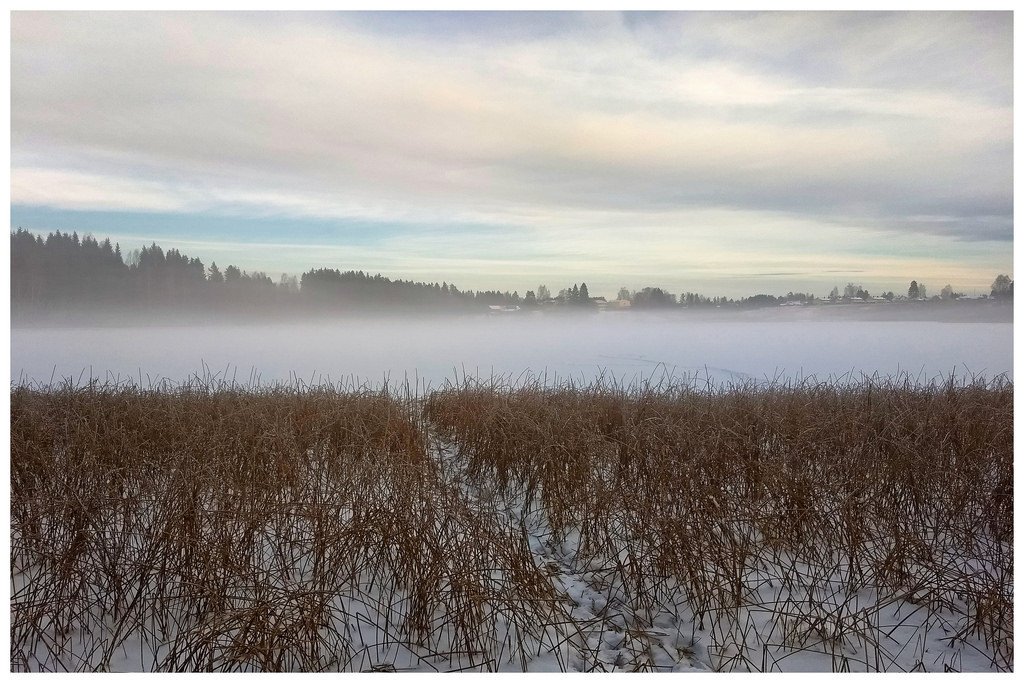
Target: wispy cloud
{"x": 550, "y": 128}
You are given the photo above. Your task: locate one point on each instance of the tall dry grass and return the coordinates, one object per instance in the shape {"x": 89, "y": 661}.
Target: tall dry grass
{"x": 780, "y": 515}
{"x": 236, "y": 530}
{"x": 216, "y": 528}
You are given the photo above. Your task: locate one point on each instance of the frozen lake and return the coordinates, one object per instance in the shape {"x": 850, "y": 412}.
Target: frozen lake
{"x": 624, "y": 346}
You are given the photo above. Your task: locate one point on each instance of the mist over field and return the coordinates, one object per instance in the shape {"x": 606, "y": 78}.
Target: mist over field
{"x": 733, "y": 347}
{"x": 511, "y": 341}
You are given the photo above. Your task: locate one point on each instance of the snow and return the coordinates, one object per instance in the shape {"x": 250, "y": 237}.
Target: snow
{"x": 791, "y": 618}
{"x": 789, "y": 615}
{"x": 785, "y": 615}
{"x": 424, "y": 350}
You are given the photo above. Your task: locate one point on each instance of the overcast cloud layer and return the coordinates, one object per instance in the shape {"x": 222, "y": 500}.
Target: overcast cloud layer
{"x": 724, "y": 153}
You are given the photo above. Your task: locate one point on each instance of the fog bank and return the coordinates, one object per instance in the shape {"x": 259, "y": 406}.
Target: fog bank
{"x": 625, "y": 347}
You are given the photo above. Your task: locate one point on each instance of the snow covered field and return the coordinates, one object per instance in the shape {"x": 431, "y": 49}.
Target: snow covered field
{"x": 784, "y": 344}
{"x": 494, "y": 528}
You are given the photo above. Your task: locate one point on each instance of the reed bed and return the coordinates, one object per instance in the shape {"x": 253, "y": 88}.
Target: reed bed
{"x": 513, "y": 526}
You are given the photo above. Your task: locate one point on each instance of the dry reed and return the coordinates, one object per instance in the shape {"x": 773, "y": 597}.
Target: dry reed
{"x": 486, "y": 526}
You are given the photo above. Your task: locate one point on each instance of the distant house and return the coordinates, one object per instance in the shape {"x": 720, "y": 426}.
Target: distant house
{"x": 619, "y": 304}
{"x": 498, "y": 310}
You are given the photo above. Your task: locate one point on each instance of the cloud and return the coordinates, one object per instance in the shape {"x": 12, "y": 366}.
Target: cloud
{"x": 898, "y": 123}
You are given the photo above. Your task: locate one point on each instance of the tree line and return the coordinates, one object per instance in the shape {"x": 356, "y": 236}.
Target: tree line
{"x": 63, "y": 271}
{"x": 1002, "y": 289}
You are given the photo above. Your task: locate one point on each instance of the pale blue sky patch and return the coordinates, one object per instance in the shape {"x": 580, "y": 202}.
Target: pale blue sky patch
{"x": 161, "y": 227}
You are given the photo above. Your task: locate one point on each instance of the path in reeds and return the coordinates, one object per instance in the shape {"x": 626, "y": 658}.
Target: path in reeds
{"x": 486, "y": 527}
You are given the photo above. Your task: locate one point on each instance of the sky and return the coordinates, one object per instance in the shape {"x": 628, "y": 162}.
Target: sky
{"x": 721, "y": 153}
